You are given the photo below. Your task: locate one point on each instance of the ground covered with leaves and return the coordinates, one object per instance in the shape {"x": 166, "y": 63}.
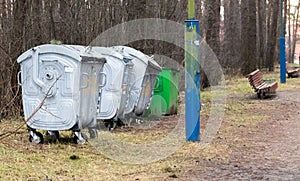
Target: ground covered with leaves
{"x": 258, "y": 139}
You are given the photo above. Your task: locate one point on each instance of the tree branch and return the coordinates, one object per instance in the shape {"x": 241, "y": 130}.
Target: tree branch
{"x": 9, "y": 133}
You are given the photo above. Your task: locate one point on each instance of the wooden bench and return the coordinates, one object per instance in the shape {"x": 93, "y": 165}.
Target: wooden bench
{"x": 292, "y": 73}
{"x": 261, "y": 87}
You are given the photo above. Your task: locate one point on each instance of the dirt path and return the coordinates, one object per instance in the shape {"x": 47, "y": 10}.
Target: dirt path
{"x": 275, "y": 154}
{"x": 280, "y": 141}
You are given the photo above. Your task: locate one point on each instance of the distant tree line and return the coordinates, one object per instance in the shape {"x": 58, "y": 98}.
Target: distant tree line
{"x": 242, "y": 33}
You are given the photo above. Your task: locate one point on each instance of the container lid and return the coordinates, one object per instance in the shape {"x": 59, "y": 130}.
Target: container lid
{"x": 154, "y": 64}
{"x": 49, "y": 48}
{"x": 76, "y": 52}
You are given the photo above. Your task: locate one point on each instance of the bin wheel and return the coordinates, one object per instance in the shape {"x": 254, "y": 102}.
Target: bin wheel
{"x": 121, "y": 123}
{"x": 93, "y": 133}
{"x": 36, "y": 137}
{"x": 79, "y": 138}
{"x": 110, "y": 125}
{"x": 53, "y": 135}
{"x": 106, "y": 124}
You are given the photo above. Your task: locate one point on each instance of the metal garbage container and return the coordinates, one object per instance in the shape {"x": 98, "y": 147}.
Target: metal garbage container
{"x": 118, "y": 71}
{"x": 143, "y": 79}
{"x": 60, "y": 89}
{"x": 147, "y": 87}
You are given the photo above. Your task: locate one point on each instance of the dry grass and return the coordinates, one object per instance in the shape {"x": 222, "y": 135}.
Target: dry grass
{"x": 21, "y": 160}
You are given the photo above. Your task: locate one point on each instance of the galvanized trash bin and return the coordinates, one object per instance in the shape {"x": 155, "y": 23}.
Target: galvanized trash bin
{"x": 60, "y": 89}
{"x": 118, "y": 71}
{"x": 148, "y": 84}
{"x": 138, "y": 72}
{"x": 143, "y": 79}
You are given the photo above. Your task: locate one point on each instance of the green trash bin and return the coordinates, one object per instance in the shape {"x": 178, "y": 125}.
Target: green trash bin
{"x": 165, "y": 98}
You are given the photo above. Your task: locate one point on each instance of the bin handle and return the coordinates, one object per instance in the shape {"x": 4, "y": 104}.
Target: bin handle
{"x": 36, "y": 79}
{"x": 86, "y": 76}
{"x": 157, "y": 82}
{"x": 19, "y": 78}
{"x": 102, "y": 75}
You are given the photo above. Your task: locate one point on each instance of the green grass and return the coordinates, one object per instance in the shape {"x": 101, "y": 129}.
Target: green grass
{"x": 238, "y": 85}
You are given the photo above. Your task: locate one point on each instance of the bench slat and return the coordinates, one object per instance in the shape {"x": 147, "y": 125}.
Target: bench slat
{"x": 255, "y": 79}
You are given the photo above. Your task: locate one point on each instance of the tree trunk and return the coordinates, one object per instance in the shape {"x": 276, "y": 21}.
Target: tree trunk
{"x": 261, "y": 32}
{"x": 272, "y": 36}
{"x": 289, "y": 54}
{"x": 295, "y": 37}
{"x": 19, "y": 15}
{"x": 248, "y": 33}
{"x": 36, "y": 23}
{"x": 231, "y": 44}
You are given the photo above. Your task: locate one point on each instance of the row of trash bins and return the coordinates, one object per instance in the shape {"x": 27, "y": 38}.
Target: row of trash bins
{"x": 72, "y": 87}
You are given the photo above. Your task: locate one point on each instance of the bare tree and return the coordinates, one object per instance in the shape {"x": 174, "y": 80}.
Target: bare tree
{"x": 232, "y": 37}
{"x": 295, "y": 30}
{"x": 248, "y": 34}
{"x": 272, "y": 35}
{"x": 261, "y": 8}
{"x": 289, "y": 43}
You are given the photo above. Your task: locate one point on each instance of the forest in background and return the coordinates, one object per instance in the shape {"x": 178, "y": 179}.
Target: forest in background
{"x": 243, "y": 34}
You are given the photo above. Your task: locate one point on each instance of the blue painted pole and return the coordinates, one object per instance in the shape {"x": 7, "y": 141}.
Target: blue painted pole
{"x": 282, "y": 48}
{"x": 192, "y": 76}
{"x": 282, "y": 61}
